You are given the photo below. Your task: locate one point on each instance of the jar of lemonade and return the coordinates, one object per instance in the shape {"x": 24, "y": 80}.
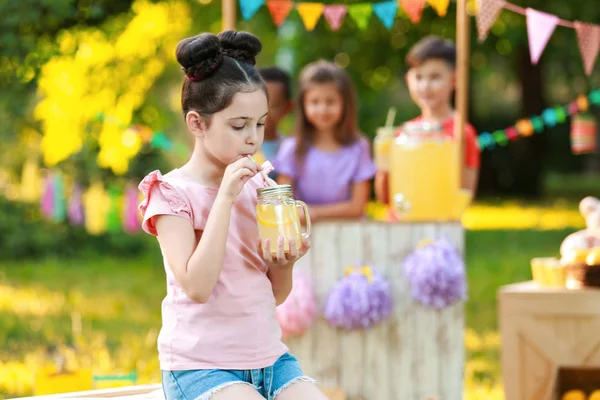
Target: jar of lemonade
{"x": 424, "y": 174}
{"x": 382, "y": 145}
{"x": 277, "y": 215}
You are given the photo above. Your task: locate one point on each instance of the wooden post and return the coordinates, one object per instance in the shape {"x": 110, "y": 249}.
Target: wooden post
{"x": 462, "y": 77}
{"x": 228, "y": 14}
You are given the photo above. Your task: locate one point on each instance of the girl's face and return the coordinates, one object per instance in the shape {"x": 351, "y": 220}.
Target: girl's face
{"x": 238, "y": 130}
{"x": 323, "y": 106}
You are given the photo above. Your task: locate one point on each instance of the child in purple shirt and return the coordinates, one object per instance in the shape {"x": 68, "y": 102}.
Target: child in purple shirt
{"x": 328, "y": 161}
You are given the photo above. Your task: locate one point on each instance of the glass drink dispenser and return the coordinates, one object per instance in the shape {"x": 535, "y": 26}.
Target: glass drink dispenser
{"x": 424, "y": 176}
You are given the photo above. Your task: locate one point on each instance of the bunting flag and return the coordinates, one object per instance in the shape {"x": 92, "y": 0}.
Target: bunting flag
{"x": 540, "y": 26}
{"x": 334, "y": 15}
{"x": 113, "y": 220}
{"x": 96, "y": 203}
{"x": 30, "y": 182}
{"x": 279, "y": 9}
{"x": 588, "y": 36}
{"x": 130, "y": 219}
{"x": 75, "y": 206}
{"x": 488, "y": 13}
{"x": 47, "y": 199}
{"x": 440, "y": 6}
{"x": 59, "y": 203}
{"x": 310, "y": 14}
{"x": 361, "y": 14}
{"x": 550, "y": 117}
{"x": 386, "y": 11}
{"x": 414, "y": 9}
{"x": 250, "y": 7}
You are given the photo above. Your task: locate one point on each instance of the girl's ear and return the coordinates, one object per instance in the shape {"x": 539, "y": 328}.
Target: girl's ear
{"x": 196, "y": 124}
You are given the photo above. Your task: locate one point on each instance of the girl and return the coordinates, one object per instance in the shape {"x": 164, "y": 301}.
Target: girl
{"x": 220, "y": 339}
{"x": 328, "y": 162}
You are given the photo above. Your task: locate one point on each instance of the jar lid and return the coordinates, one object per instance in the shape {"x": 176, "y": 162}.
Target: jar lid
{"x": 271, "y": 190}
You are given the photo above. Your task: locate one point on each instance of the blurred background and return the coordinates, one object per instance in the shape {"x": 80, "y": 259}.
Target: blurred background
{"x": 90, "y": 103}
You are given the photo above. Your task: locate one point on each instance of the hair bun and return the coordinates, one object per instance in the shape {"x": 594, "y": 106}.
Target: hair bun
{"x": 199, "y": 55}
{"x": 241, "y": 46}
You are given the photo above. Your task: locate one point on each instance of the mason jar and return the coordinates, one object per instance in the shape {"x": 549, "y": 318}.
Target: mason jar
{"x": 277, "y": 215}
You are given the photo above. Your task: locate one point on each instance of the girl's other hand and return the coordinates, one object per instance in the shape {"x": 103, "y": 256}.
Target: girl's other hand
{"x": 283, "y": 257}
{"x": 236, "y": 175}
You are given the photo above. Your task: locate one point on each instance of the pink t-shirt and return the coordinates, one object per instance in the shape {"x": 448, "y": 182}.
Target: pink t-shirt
{"x": 236, "y": 328}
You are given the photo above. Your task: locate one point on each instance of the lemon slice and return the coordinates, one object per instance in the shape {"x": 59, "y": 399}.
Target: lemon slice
{"x": 274, "y": 215}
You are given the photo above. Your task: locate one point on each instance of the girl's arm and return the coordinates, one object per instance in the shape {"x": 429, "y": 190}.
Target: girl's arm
{"x": 196, "y": 267}
{"x": 354, "y": 208}
{"x": 281, "y": 281}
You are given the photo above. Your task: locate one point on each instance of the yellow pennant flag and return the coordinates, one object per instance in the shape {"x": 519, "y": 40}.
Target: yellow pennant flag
{"x": 96, "y": 202}
{"x": 31, "y": 182}
{"x": 440, "y": 6}
{"x": 310, "y": 14}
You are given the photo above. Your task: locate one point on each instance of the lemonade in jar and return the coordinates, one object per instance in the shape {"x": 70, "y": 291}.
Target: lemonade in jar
{"x": 277, "y": 215}
{"x": 424, "y": 174}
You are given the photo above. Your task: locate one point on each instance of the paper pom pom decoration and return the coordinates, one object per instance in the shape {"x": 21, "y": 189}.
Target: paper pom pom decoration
{"x": 436, "y": 274}
{"x": 360, "y": 300}
{"x": 297, "y": 313}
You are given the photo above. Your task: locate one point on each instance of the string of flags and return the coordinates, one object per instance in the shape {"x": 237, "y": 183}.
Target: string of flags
{"x": 540, "y": 27}
{"x": 583, "y": 131}
{"x": 334, "y": 14}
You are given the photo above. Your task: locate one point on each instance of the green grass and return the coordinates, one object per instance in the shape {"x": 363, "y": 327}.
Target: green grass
{"x": 118, "y": 301}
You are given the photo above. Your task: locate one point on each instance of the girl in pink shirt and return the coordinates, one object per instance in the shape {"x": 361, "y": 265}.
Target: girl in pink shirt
{"x": 220, "y": 339}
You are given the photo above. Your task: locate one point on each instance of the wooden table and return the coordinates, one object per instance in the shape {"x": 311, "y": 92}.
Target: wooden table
{"x": 542, "y": 330}
{"x": 418, "y": 354}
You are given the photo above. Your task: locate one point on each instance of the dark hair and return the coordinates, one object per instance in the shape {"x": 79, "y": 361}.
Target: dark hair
{"x": 216, "y": 69}
{"x": 278, "y": 75}
{"x": 318, "y": 73}
{"x": 431, "y": 47}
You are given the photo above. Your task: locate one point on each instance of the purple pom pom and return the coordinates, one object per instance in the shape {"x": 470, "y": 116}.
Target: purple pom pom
{"x": 361, "y": 299}
{"x": 436, "y": 273}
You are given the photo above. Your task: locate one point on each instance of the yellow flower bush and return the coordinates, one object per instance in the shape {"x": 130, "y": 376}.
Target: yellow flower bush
{"x": 99, "y": 73}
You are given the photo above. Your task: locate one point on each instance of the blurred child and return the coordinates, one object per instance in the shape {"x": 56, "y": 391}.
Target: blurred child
{"x": 220, "y": 338}
{"x": 328, "y": 161}
{"x": 431, "y": 81}
{"x": 280, "y": 104}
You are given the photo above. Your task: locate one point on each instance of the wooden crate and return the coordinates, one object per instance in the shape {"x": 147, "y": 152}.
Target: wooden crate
{"x": 544, "y": 331}
{"x": 418, "y": 354}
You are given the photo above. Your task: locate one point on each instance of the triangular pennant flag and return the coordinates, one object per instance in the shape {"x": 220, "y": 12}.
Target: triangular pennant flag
{"x": 540, "y": 26}
{"x": 440, "y": 6}
{"x": 386, "y": 11}
{"x": 334, "y": 15}
{"x": 413, "y": 8}
{"x": 310, "y": 14}
{"x": 361, "y": 14}
{"x": 588, "y": 36}
{"x": 250, "y": 7}
{"x": 488, "y": 13}
{"x": 279, "y": 9}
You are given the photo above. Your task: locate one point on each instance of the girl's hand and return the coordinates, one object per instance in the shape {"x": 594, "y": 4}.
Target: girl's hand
{"x": 236, "y": 175}
{"x": 283, "y": 257}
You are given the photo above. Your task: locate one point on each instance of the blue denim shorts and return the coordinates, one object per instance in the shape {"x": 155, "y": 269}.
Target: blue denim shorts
{"x": 203, "y": 383}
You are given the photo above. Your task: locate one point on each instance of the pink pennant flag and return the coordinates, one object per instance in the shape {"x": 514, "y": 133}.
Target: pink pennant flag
{"x": 588, "y": 36}
{"x": 540, "y": 27}
{"x": 488, "y": 13}
{"x": 334, "y": 15}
